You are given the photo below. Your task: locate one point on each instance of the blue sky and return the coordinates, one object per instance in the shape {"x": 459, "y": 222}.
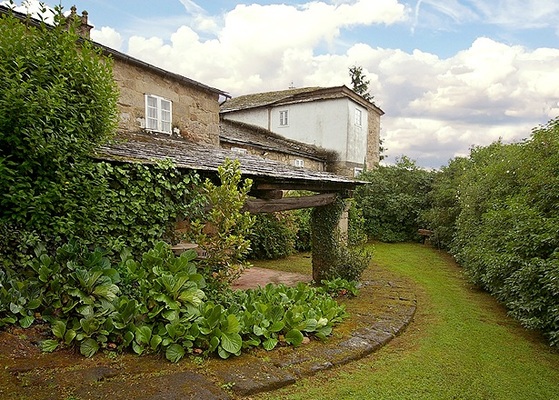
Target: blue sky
{"x": 449, "y": 74}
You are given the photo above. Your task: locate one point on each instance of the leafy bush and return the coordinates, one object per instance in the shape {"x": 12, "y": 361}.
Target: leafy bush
{"x": 223, "y": 231}
{"x": 393, "y": 200}
{"x": 273, "y": 236}
{"x": 498, "y": 210}
{"x": 156, "y": 304}
{"x": 332, "y": 258}
{"x": 57, "y": 104}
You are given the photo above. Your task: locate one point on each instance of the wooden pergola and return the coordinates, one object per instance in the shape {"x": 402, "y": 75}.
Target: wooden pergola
{"x": 270, "y": 178}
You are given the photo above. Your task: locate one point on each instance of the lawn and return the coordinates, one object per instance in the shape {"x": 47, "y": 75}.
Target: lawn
{"x": 461, "y": 345}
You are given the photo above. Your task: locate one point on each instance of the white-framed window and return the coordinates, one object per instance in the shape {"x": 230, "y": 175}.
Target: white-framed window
{"x": 358, "y": 117}
{"x": 159, "y": 113}
{"x": 299, "y": 163}
{"x": 283, "y": 118}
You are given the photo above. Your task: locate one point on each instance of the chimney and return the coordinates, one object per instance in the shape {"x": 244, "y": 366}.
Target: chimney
{"x": 83, "y": 28}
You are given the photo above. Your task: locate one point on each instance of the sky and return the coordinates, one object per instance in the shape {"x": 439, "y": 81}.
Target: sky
{"x": 449, "y": 74}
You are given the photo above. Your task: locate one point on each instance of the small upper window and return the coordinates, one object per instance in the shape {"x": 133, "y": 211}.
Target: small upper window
{"x": 159, "y": 112}
{"x": 283, "y": 118}
{"x": 299, "y": 163}
{"x": 358, "y": 116}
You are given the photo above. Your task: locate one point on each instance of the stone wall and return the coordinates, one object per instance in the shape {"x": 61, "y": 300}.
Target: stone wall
{"x": 195, "y": 111}
{"x": 373, "y": 140}
{"x": 284, "y": 158}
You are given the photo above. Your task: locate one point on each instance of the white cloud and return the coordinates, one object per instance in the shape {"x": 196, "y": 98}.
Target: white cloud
{"x": 107, "y": 36}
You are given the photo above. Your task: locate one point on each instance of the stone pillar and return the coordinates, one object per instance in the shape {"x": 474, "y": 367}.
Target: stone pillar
{"x": 325, "y": 238}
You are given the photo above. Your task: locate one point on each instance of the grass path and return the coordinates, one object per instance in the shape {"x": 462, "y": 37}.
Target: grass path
{"x": 461, "y": 345}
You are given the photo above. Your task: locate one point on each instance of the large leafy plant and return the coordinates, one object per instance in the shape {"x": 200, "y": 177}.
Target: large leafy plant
{"x": 155, "y": 305}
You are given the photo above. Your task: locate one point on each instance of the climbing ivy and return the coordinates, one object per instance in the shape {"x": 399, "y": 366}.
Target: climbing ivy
{"x": 332, "y": 257}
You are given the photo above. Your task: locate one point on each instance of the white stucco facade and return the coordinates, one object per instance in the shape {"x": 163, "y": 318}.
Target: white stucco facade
{"x": 330, "y": 124}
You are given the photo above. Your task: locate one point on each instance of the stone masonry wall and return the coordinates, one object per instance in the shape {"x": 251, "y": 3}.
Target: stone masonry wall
{"x": 279, "y": 156}
{"x": 373, "y": 140}
{"x": 195, "y": 111}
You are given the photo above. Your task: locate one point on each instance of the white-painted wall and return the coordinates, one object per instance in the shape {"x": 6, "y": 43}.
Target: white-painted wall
{"x": 328, "y": 123}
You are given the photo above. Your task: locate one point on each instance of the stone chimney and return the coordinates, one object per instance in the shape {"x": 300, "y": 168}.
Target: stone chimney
{"x": 83, "y": 28}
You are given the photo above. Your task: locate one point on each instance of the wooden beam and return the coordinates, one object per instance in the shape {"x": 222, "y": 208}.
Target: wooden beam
{"x": 258, "y": 206}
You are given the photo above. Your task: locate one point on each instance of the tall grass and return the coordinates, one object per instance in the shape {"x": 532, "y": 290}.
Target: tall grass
{"x": 461, "y": 345}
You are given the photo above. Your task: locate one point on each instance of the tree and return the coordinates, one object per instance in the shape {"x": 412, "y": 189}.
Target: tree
{"x": 360, "y": 83}
{"x": 57, "y": 104}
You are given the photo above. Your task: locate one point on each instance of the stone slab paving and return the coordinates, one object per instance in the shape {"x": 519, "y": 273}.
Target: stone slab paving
{"x": 63, "y": 374}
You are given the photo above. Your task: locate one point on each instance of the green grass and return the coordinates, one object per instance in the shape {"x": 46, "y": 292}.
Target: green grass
{"x": 461, "y": 345}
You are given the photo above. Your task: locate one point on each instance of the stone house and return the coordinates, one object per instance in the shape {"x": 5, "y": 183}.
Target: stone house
{"x": 344, "y": 125}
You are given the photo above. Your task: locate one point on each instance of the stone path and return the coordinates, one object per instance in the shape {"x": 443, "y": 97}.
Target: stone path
{"x": 25, "y": 373}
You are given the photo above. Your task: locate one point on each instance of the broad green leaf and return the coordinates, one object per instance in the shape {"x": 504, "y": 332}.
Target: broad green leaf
{"x": 69, "y": 336}
{"x": 26, "y": 321}
{"x": 223, "y": 353}
{"x": 59, "y": 329}
{"x": 49, "y": 345}
{"x": 231, "y": 342}
{"x": 233, "y": 325}
{"x": 276, "y": 326}
{"x": 128, "y": 338}
{"x": 170, "y": 315}
{"x": 310, "y": 325}
{"x": 89, "y": 347}
{"x": 143, "y": 334}
{"x": 34, "y": 304}
{"x": 193, "y": 296}
{"x": 294, "y": 337}
{"x": 15, "y": 309}
{"x": 155, "y": 341}
{"x": 270, "y": 343}
{"x": 174, "y": 353}
{"x": 89, "y": 325}
{"x": 108, "y": 291}
{"x": 323, "y": 332}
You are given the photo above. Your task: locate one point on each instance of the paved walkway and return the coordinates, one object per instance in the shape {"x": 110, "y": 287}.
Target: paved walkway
{"x": 26, "y": 373}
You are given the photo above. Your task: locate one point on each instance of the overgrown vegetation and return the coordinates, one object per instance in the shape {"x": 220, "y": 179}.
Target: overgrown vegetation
{"x": 159, "y": 303}
{"x": 333, "y": 257}
{"x": 393, "y": 200}
{"x": 222, "y": 232}
{"x": 497, "y": 212}
{"x": 57, "y": 104}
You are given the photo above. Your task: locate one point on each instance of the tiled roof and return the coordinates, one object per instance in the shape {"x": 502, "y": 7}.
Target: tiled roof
{"x": 240, "y": 133}
{"x": 290, "y": 96}
{"x": 150, "y": 148}
{"x": 263, "y": 99}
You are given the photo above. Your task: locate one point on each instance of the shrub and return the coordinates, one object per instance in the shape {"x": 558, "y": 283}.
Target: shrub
{"x": 223, "y": 232}
{"x": 57, "y": 104}
{"x": 393, "y": 200}
{"x": 273, "y": 236}
{"x": 502, "y": 208}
